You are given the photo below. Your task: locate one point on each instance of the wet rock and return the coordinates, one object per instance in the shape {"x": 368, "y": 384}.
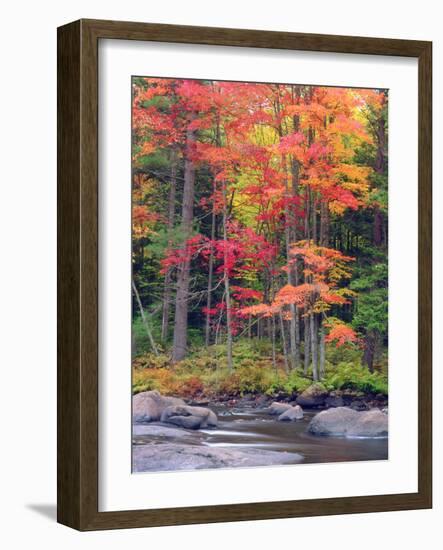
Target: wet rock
{"x": 198, "y": 403}
{"x": 171, "y": 456}
{"x": 344, "y": 421}
{"x": 189, "y": 422}
{"x": 293, "y": 413}
{"x": 314, "y": 396}
{"x": 156, "y": 430}
{"x": 335, "y": 421}
{"x": 279, "y": 408}
{"x": 206, "y": 417}
{"x": 148, "y": 406}
{"x": 373, "y": 423}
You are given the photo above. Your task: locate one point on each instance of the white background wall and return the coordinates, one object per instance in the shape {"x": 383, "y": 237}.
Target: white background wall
{"x": 28, "y": 269}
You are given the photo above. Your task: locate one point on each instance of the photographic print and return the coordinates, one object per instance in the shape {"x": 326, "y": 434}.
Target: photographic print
{"x": 259, "y": 274}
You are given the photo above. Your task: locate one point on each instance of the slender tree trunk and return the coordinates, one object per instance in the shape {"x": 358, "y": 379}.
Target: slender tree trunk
{"x": 171, "y": 218}
{"x": 274, "y": 364}
{"x": 227, "y": 289}
{"x": 210, "y": 277}
{"x": 289, "y": 224}
{"x": 314, "y": 350}
{"x": 324, "y": 223}
{"x": 283, "y": 339}
{"x": 322, "y": 350}
{"x": 295, "y": 172}
{"x": 307, "y": 213}
{"x": 144, "y": 319}
{"x": 182, "y": 295}
{"x": 369, "y": 351}
{"x": 314, "y": 217}
{"x": 306, "y": 358}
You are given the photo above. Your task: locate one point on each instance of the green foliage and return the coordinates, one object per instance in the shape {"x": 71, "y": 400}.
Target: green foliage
{"x": 350, "y": 376}
{"x": 348, "y": 353}
{"x": 371, "y": 312}
{"x": 205, "y": 373}
{"x": 140, "y": 340}
{"x": 291, "y": 383}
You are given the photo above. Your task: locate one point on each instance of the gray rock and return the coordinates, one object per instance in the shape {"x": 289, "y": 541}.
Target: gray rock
{"x": 159, "y": 431}
{"x": 343, "y": 421}
{"x": 385, "y": 410}
{"x": 189, "y": 422}
{"x": 148, "y": 406}
{"x": 334, "y": 421}
{"x": 170, "y": 456}
{"x": 198, "y": 402}
{"x": 314, "y": 396}
{"x": 373, "y": 423}
{"x": 207, "y": 417}
{"x": 294, "y": 413}
{"x": 279, "y": 408}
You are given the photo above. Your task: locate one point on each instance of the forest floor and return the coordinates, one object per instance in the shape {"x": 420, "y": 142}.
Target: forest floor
{"x": 204, "y": 377}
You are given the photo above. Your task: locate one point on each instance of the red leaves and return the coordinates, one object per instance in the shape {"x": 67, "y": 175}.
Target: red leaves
{"x": 243, "y": 294}
{"x": 341, "y": 334}
{"x": 177, "y": 256}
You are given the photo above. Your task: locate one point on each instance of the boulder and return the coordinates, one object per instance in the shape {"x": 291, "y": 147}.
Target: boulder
{"x": 279, "y": 408}
{"x": 207, "y": 417}
{"x": 335, "y": 421}
{"x": 189, "y": 422}
{"x": 148, "y": 406}
{"x": 314, "y": 396}
{"x": 343, "y": 421}
{"x": 373, "y": 423}
{"x": 177, "y": 456}
{"x": 159, "y": 432}
{"x": 294, "y": 413}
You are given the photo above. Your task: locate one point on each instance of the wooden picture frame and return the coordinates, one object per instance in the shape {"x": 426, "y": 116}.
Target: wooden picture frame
{"x": 78, "y": 274}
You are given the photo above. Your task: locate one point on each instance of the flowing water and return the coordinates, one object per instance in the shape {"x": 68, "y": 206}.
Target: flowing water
{"x": 256, "y": 428}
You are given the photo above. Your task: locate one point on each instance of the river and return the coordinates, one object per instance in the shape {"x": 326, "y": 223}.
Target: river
{"x": 254, "y": 430}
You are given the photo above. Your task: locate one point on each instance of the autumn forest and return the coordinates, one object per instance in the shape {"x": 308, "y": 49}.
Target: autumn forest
{"x": 260, "y": 238}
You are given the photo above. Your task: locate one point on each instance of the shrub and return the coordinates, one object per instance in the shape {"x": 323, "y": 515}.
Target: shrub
{"x": 355, "y": 377}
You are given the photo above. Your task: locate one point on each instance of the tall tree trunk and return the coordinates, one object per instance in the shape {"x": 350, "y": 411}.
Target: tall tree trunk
{"x": 210, "y": 277}
{"x": 324, "y": 223}
{"x": 369, "y": 351}
{"x": 307, "y": 202}
{"x": 274, "y": 364}
{"x": 182, "y": 295}
{"x": 171, "y": 219}
{"x": 380, "y": 168}
{"x": 295, "y": 172}
{"x": 314, "y": 217}
{"x": 283, "y": 339}
{"x": 306, "y": 358}
{"x": 322, "y": 350}
{"x": 227, "y": 289}
{"x": 289, "y": 225}
{"x": 313, "y": 327}
{"x": 144, "y": 319}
